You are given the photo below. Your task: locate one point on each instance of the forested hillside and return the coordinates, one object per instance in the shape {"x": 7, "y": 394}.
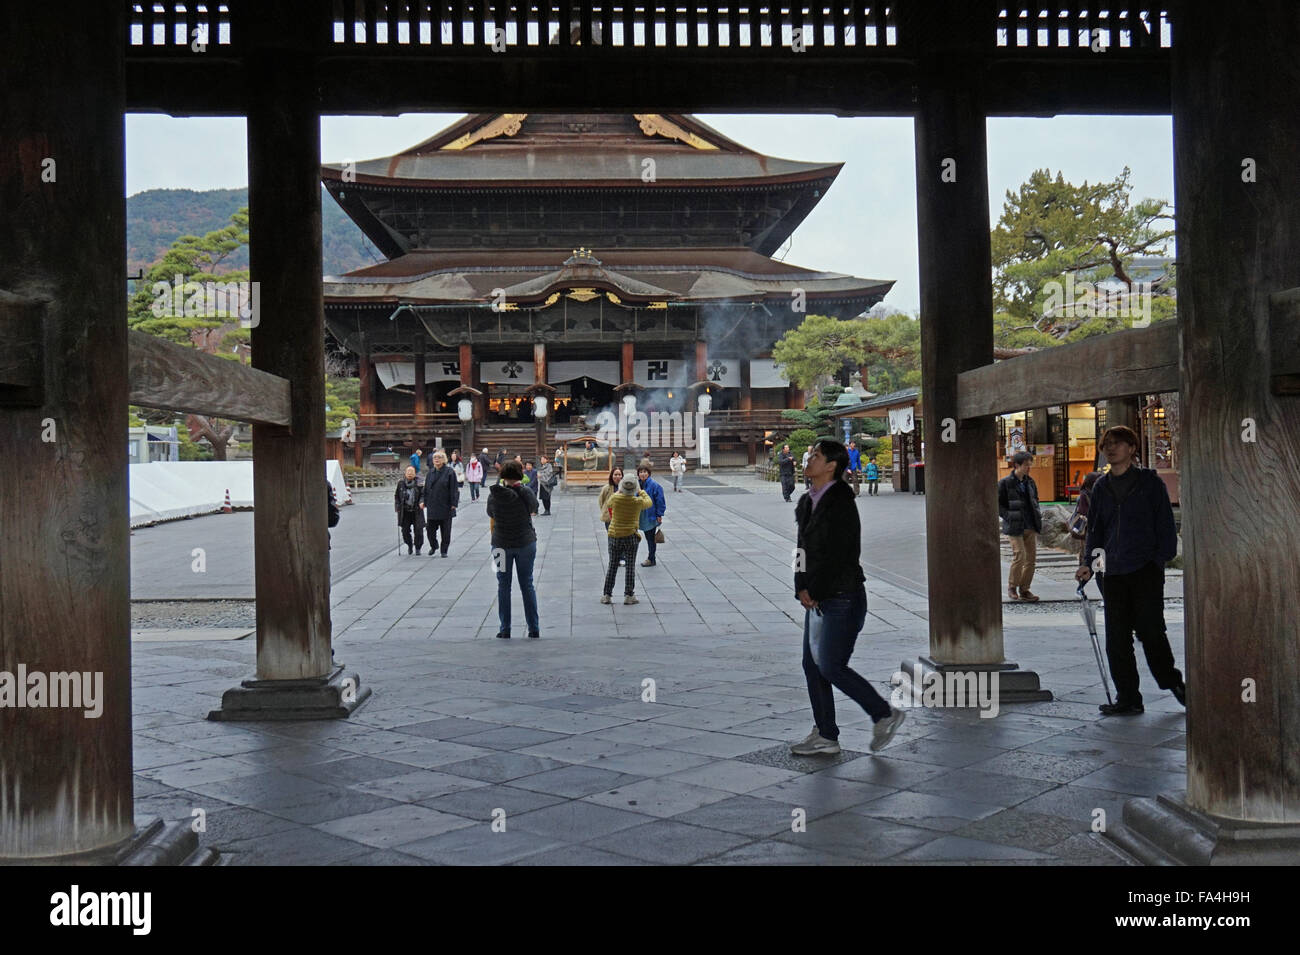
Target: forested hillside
{"x": 156, "y": 218}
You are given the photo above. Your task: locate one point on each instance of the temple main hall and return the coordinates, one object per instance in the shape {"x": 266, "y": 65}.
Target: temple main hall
{"x": 583, "y": 259}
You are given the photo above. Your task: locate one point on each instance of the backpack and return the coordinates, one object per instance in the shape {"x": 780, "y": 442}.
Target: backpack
{"x": 334, "y": 508}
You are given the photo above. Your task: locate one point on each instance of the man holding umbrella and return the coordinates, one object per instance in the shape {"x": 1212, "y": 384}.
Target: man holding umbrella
{"x": 1131, "y": 536}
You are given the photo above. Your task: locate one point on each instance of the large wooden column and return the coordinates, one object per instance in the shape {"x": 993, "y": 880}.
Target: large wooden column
{"x": 65, "y": 780}
{"x": 956, "y": 335}
{"x": 541, "y": 387}
{"x": 295, "y": 675}
{"x": 421, "y": 397}
{"x": 627, "y": 368}
{"x": 1236, "y": 83}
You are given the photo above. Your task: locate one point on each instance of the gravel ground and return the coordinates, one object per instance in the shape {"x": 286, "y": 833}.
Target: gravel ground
{"x": 185, "y": 614}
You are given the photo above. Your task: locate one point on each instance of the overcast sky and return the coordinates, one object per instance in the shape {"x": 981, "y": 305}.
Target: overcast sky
{"x": 865, "y": 225}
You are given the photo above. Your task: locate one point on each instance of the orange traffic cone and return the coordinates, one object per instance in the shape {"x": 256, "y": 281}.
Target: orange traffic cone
{"x": 226, "y": 508}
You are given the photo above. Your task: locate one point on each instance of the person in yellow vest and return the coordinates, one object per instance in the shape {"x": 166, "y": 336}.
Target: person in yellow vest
{"x": 625, "y": 509}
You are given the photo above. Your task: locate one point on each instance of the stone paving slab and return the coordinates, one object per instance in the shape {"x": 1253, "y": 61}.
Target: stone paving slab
{"x": 651, "y": 734}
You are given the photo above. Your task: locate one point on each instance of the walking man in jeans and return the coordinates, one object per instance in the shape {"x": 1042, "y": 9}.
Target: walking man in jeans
{"x": 829, "y": 582}
{"x": 1022, "y": 522}
{"x": 1131, "y": 535}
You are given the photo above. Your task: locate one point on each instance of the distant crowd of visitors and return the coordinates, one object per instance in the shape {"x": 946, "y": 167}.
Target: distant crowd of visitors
{"x": 1123, "y": 516}
{"x": 856, "y": 472}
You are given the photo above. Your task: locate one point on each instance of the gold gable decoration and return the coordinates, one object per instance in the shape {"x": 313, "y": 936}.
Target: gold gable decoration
{"x": 652, "y": 124}
{"x": 583, "y": 294}
{"x": 507, "y": 124}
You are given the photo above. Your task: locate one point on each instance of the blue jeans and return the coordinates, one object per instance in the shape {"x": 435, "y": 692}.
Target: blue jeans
{"x": 473, "y": 490}
{"x": 521, "y": 558}
{"x": 828, "y": 640}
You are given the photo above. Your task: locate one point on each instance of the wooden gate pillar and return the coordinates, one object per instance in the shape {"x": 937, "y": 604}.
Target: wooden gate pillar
{"x": 296, "y": 677}
{"x": 957, "y": 335}
{"x": 65, "y": 779}
{"x": 1236, "y": 139}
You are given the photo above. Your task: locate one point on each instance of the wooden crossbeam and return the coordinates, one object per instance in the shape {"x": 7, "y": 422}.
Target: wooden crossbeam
{"x": 165, "y": 375}
{"x": 1133, "y": 362}
{"x": 1137, "y": 361}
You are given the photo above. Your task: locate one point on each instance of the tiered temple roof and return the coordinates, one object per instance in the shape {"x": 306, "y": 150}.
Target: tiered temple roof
{"x": 665, "y": 208}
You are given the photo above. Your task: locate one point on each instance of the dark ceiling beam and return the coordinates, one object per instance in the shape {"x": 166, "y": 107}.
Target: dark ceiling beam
{"x": 388, "y": 85}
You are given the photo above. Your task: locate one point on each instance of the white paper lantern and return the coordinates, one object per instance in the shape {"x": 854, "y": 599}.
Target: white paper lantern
{"x": 465, "y": 409}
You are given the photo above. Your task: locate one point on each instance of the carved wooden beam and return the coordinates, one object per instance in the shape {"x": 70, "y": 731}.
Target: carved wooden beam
{"x": 165, "y": 375}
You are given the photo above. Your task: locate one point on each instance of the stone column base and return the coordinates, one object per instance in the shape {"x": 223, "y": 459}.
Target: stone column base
{"x": 1166, "y": 831}
{"x": 154, "y": 843}
{"x": 1014, "y": 684}
{"x": 330, "y": 697}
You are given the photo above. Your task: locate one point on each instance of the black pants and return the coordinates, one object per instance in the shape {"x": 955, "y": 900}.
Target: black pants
{"x": 445, "y": 524}
{"x": 1136, "y": 602}
{"x": 544, "y": 495}
{"x": 787, "y": 486}
{"x": 412, "y": 521}
{"x": 622, "y": 548}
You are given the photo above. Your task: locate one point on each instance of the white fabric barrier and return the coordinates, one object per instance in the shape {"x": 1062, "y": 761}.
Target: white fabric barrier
{"x": 169, "y": 490}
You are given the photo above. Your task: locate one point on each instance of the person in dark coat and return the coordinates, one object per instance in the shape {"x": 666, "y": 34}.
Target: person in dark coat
{"x": 1131, "y": 536}
{"x": 441, "y": 495}
{"x": 830, "y": 585}
{"x": 785, "y": 463}
{"x": 511, "y": 506}
{"x": 406, "y": 502}
{"x": 546, "y": 481}
{"x": 1022, "y": 522}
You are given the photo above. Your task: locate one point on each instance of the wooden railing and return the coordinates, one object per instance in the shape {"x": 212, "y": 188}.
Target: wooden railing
{"x": 730, "y": 25}
{"x": 400, "y": 27}
{"x": 405, "y": 421}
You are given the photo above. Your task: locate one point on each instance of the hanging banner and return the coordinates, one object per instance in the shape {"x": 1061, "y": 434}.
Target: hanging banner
{"x": 662, "y": 373}
{"x": 763, "y": 374}
{"x": 723, "y": 371}
{"x": 507, "y": 372}
{"x": 401, "y": 374}
{"x": 603, "y": 371}
{"x": 901, "y": 420}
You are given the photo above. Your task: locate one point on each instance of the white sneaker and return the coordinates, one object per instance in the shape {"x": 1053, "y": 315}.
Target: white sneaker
{"x": 629, "y": 599}
{"x": 605, "y": 598}
{"x": 886, "y": 728}
{"x": 815, "y": 745}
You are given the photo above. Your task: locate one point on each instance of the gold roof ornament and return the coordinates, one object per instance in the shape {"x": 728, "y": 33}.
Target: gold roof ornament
{"x": 652, "y": 124}
{"x": 507, "y": 124}
{"x": 583, "y": 294}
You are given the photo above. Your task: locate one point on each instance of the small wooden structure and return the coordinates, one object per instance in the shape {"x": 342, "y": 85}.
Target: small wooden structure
{"x": 587, "y": 461}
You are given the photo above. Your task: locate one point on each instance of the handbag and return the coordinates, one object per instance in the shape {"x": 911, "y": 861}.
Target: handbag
{"x": 659, "y": 535}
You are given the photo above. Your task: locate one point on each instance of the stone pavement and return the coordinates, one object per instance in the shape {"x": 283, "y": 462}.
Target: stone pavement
{"x": 554, "y": 741}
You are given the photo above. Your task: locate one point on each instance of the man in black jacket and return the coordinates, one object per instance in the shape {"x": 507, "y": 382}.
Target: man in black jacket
{"x": 1131, "y": 536}
{"x": 441, "y": 495}
{"x": 406, "y": 502}
{"x": 1023, "y": 522}
{"x": 829, "y": 582}
{"x": 785, "y": 464}
{"x": 511, "y": 506}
